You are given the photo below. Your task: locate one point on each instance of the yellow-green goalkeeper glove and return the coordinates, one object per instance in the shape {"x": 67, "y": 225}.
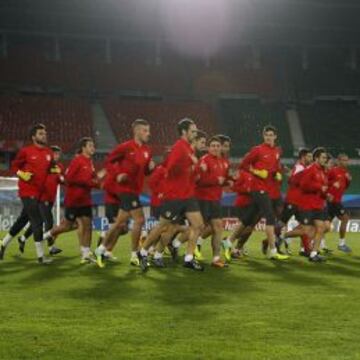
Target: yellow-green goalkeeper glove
{"x": 55, "y": 170}
{"x": 24, "y": 175}
{"x": 278, "y": 176}
{"x": 263, "y": 174}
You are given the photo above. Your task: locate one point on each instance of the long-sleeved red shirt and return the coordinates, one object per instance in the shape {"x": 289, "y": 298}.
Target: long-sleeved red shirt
{"x": 242, "y": 187}
{"x": 312, "y": 183}
{"x": 37, "y": 160}
{"x": 133, "y": 160}
{"x": 80, "y": 179}
{"x": 339, "y": 180}
{"x": 51, "y": 185}
{"x": 294, "y": 193}
{"x": 180, "y": 168}
{"x": 109, "y": 184}
{"x": 156, "y": 185}
{"x": 262, "y": 157}
{"x": 207, "y": 185}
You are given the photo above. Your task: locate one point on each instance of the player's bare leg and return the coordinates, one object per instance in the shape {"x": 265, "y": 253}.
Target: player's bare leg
{"x": 319, "y": 233}
{"x": 342, "y": 234}
{"x": 217, "y": 230}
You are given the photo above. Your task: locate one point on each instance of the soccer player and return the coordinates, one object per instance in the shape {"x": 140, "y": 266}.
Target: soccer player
{"x": 112, "y": 206}
{"x": 80, "y": 178}
{"x": 339, "y": 180}
{"x": 293, "y": 197}
{"x": 32, "y": 165}
{"x": 263, "y": 163}
{"x": 208, "y": 192}
{"x": 47, "y": 200}
{"x": 134, "y": 163}
{"x": 179, "y": 198}
{"x": 312, "y": 203}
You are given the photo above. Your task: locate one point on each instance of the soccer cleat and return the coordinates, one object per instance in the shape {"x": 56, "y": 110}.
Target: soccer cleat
{"x": 99, "y": 258}
{"x": 54, "y": 251}
{"x": 144, "y": 265}
{"x": 109, "y": 256}
{"x": 227, "y": 250}
{"x": 304, "y": 253}
{"x": 44, "y": 260}
{"x": 2, "y": 250}
{"x": 159, "y": 263}
{"x": 198, "y": 255}
{"x": 219, "y": 264}
{"x": 174, "y": 251}
{"x": 344, "y": 248}
{"x": 278, "y": 256}
{"x": 236, "y": 254}
{"x": 134, "y": 261}
{"x": 194, "y": 265}
{"x": 317, "y": 258}
{"x": 21, "y": 245}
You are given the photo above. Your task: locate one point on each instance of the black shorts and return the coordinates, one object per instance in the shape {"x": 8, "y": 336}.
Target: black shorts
{"x": 111, "y": 212}
{"x": 175, "y": 210}
{"x": 71, "y": 213}
{"x": 335, "y": 210}
{"x": 264, "y": 205}
{"x": 277, "y": 205}
{"x": 288, "y": 212}
{"x": 210, "y": 210}
{"x": 249, "y": 215}
{"x": 155, "y": 212}
{"x": 306, "y": 217}
{"x": 129, "y": 202}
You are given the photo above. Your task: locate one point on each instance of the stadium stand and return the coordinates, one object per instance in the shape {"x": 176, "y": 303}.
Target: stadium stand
{"x": 244, "y": 119}
{"x": 163, "y": 117}
{"x": 66, "y": 119}
{"x": 320, "y": 119}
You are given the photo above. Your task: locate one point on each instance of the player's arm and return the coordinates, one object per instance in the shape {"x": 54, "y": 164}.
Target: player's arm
{"x": 117, "y": 154}
{"x": 309, "y": 183}
{"x": 18, "y": 164}
{"x": 207, "y": 177}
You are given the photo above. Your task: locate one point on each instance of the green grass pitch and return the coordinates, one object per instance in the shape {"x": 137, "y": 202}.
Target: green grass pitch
{"x": 255, "y": 309}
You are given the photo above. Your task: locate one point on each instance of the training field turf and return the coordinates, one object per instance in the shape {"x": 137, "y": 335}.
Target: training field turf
{"x": 255, "y": 309}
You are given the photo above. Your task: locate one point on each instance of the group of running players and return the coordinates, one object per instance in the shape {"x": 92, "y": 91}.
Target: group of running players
{"x": 186, "y": 191}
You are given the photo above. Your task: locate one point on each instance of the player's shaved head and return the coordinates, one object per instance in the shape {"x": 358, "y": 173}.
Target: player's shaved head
{"x": 141, "y": 130}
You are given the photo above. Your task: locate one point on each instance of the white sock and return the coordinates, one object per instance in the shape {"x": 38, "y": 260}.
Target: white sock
{"x": 151, "y": 249}
{"x": 199, "y": 241}
{"x": 22, "y": 238}
{"x": 158, "y": 255}
{"x": 101, "y": 249}
{"x": 108, "y": 253}
{"x": 342, "y": 242}
{"x": 143, "y": 252}
{"x": 189, "y": 257}
{"x": 176, "y": 243}
{"x": 216, "y": 258}
{"x": 322, "y": 244}
{"x": 313, "y": 253}
{"x": 228, "y": 243}
{"x": 85, "y": 251}
{"x": 47, "y": 235}
{"x": 273, "y": 251}
{"x": 133, "y": 254}
{"x": 39, "y": 246}
{"x": 6, "y": 240}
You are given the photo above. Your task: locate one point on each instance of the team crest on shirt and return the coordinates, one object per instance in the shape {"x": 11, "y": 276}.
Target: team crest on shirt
{"x": 146, "y": 155}
{"x": 306, "y": 221}
{"x": 48, "y": 157}
{"x": 277, "y": 156}
{"x": 134, "y": 203}
{"x": 168, "y": 214}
